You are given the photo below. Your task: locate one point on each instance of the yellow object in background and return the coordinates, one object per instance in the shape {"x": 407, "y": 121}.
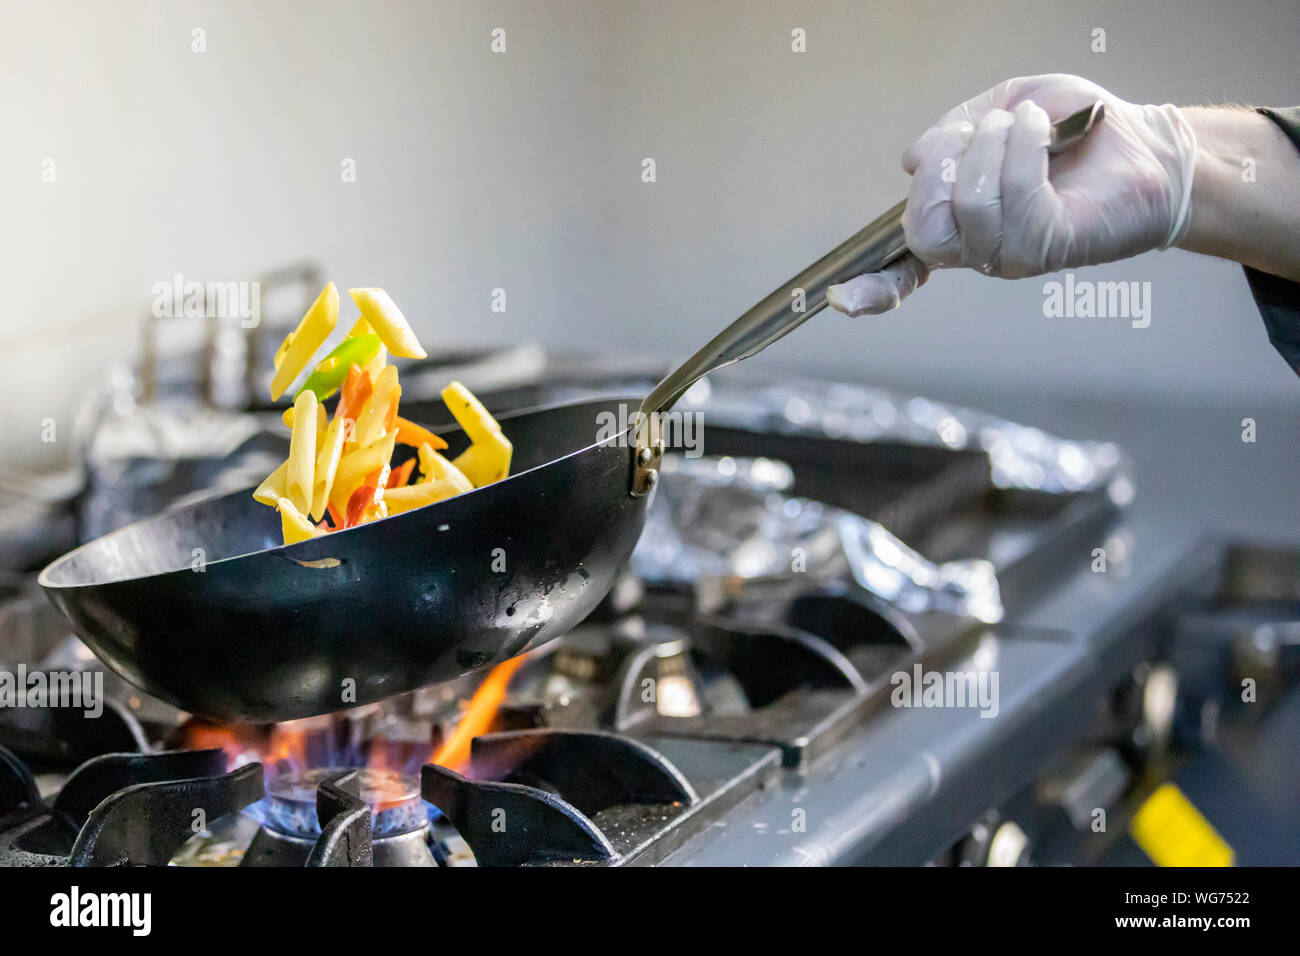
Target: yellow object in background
{"x": 1171, "y": 831}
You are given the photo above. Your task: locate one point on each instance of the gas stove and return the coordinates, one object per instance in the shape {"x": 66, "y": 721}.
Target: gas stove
{"x": 792, "y": 686}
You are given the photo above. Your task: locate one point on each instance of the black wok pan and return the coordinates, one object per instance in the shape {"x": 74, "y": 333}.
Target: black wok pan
{"x": 269, "y": 632}
{"x": 202, "y": 607}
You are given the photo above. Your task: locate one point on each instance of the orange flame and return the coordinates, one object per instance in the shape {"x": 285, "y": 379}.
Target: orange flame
{"x": 289, "y": 742}
{"x": 454, "y": 754}
{"x": 239, "y": 741}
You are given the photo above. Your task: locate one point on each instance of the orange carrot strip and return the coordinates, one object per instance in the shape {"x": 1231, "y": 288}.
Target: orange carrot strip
{"x": 334, "y": 515}
{"x": 356, "y": 390}
{"x": 390, "y": 416}
{"x": 409, "y": 433}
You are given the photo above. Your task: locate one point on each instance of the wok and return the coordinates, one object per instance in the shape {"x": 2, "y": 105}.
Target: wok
{"x": 202, "y": 607}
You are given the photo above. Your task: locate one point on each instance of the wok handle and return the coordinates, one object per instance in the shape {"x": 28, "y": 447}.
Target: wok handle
{"x": 775, "y": 316}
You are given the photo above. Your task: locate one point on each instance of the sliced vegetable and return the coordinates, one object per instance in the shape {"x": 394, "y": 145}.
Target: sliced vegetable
{"x": 409, "y": 433}
{"x": 356, "y": 392}
{"x": 332, "y": 370}
{"x": 401, "y": 474}
{"x": 359, "y": 501}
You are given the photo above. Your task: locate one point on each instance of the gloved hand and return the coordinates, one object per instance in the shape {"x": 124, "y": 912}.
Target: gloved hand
{"x": 986, "y": 195}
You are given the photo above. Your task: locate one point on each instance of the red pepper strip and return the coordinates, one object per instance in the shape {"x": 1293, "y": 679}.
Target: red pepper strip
{"x": 409, "y": 433}
{"x": 357, "y": 505}
{"x": 400, "y": 475}
{"x": 356, "y": 390}
{"x": 334, "y": 515}
{"x": 372, "y": 479}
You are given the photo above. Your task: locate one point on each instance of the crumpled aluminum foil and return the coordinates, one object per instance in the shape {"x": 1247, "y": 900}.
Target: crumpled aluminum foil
{"x": 1019, "y": 456}
{"x": 729, "y": 518}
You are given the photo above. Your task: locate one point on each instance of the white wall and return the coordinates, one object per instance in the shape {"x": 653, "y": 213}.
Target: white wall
{"x": 523, "y": 171}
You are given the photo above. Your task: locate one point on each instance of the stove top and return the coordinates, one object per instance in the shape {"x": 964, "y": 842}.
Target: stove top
{"x": 733, "y": 714}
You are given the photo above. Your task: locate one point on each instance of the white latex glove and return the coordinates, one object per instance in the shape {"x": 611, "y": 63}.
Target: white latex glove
{"x": 986, "y": 195}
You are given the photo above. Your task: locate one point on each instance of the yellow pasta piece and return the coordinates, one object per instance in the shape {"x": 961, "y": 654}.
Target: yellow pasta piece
{"x": 469, "y": 411}
{"x": 272, "y": 489}
{"x": 295, "y": 353}
{"x": 386, "y": 318}
{"x": 370, "y": 421}
{"x": 300, "y": 480}
{"x": 434, "y": 467}
{"x": 417, "y": 496}
{"x": 355, "y": 465}
{"x": 293, "y": 526}
{"x": 322, "y": 420}
{"x": 327, "y": 464}
{"x": 488, "y": 458}
{"x": 486, "y": 462}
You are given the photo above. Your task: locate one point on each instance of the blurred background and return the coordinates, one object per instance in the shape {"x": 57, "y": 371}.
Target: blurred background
{"x": 522, "y": 171}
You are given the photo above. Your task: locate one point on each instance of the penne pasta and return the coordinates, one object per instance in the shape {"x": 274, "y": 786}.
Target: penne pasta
{"x": 293, "y": 526}
{"x": 322, "y": 419}
{"x": 271, "y": 490}
{"x": 327, "y": 463}
{"x": 378, "y": 309}
{"x": 408, "y": 497}
{"x": 488, "y": 458}
{"x": 297, "y": 351}
{"x": 469, "y": 411}
{"x": 339, "y": 472}
{"x": 434, "y": 467}
{"x": 370, "y": 420}
{"x": 300, "y": 479}
{"x": 356, "y": 465}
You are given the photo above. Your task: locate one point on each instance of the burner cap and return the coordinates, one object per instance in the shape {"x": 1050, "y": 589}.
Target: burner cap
{"x": 394, "y": 799}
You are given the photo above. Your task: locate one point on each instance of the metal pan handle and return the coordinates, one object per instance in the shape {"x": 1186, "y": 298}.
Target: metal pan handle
{"x": 868, "y": 250}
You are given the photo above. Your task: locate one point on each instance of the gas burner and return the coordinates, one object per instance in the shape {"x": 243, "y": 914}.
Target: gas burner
{"x": 292, "y": 817}
{"x": 394, "y": 801}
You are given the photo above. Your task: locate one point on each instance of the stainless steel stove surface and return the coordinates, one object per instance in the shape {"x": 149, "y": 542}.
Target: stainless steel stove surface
{"x": 718, "y": 718}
